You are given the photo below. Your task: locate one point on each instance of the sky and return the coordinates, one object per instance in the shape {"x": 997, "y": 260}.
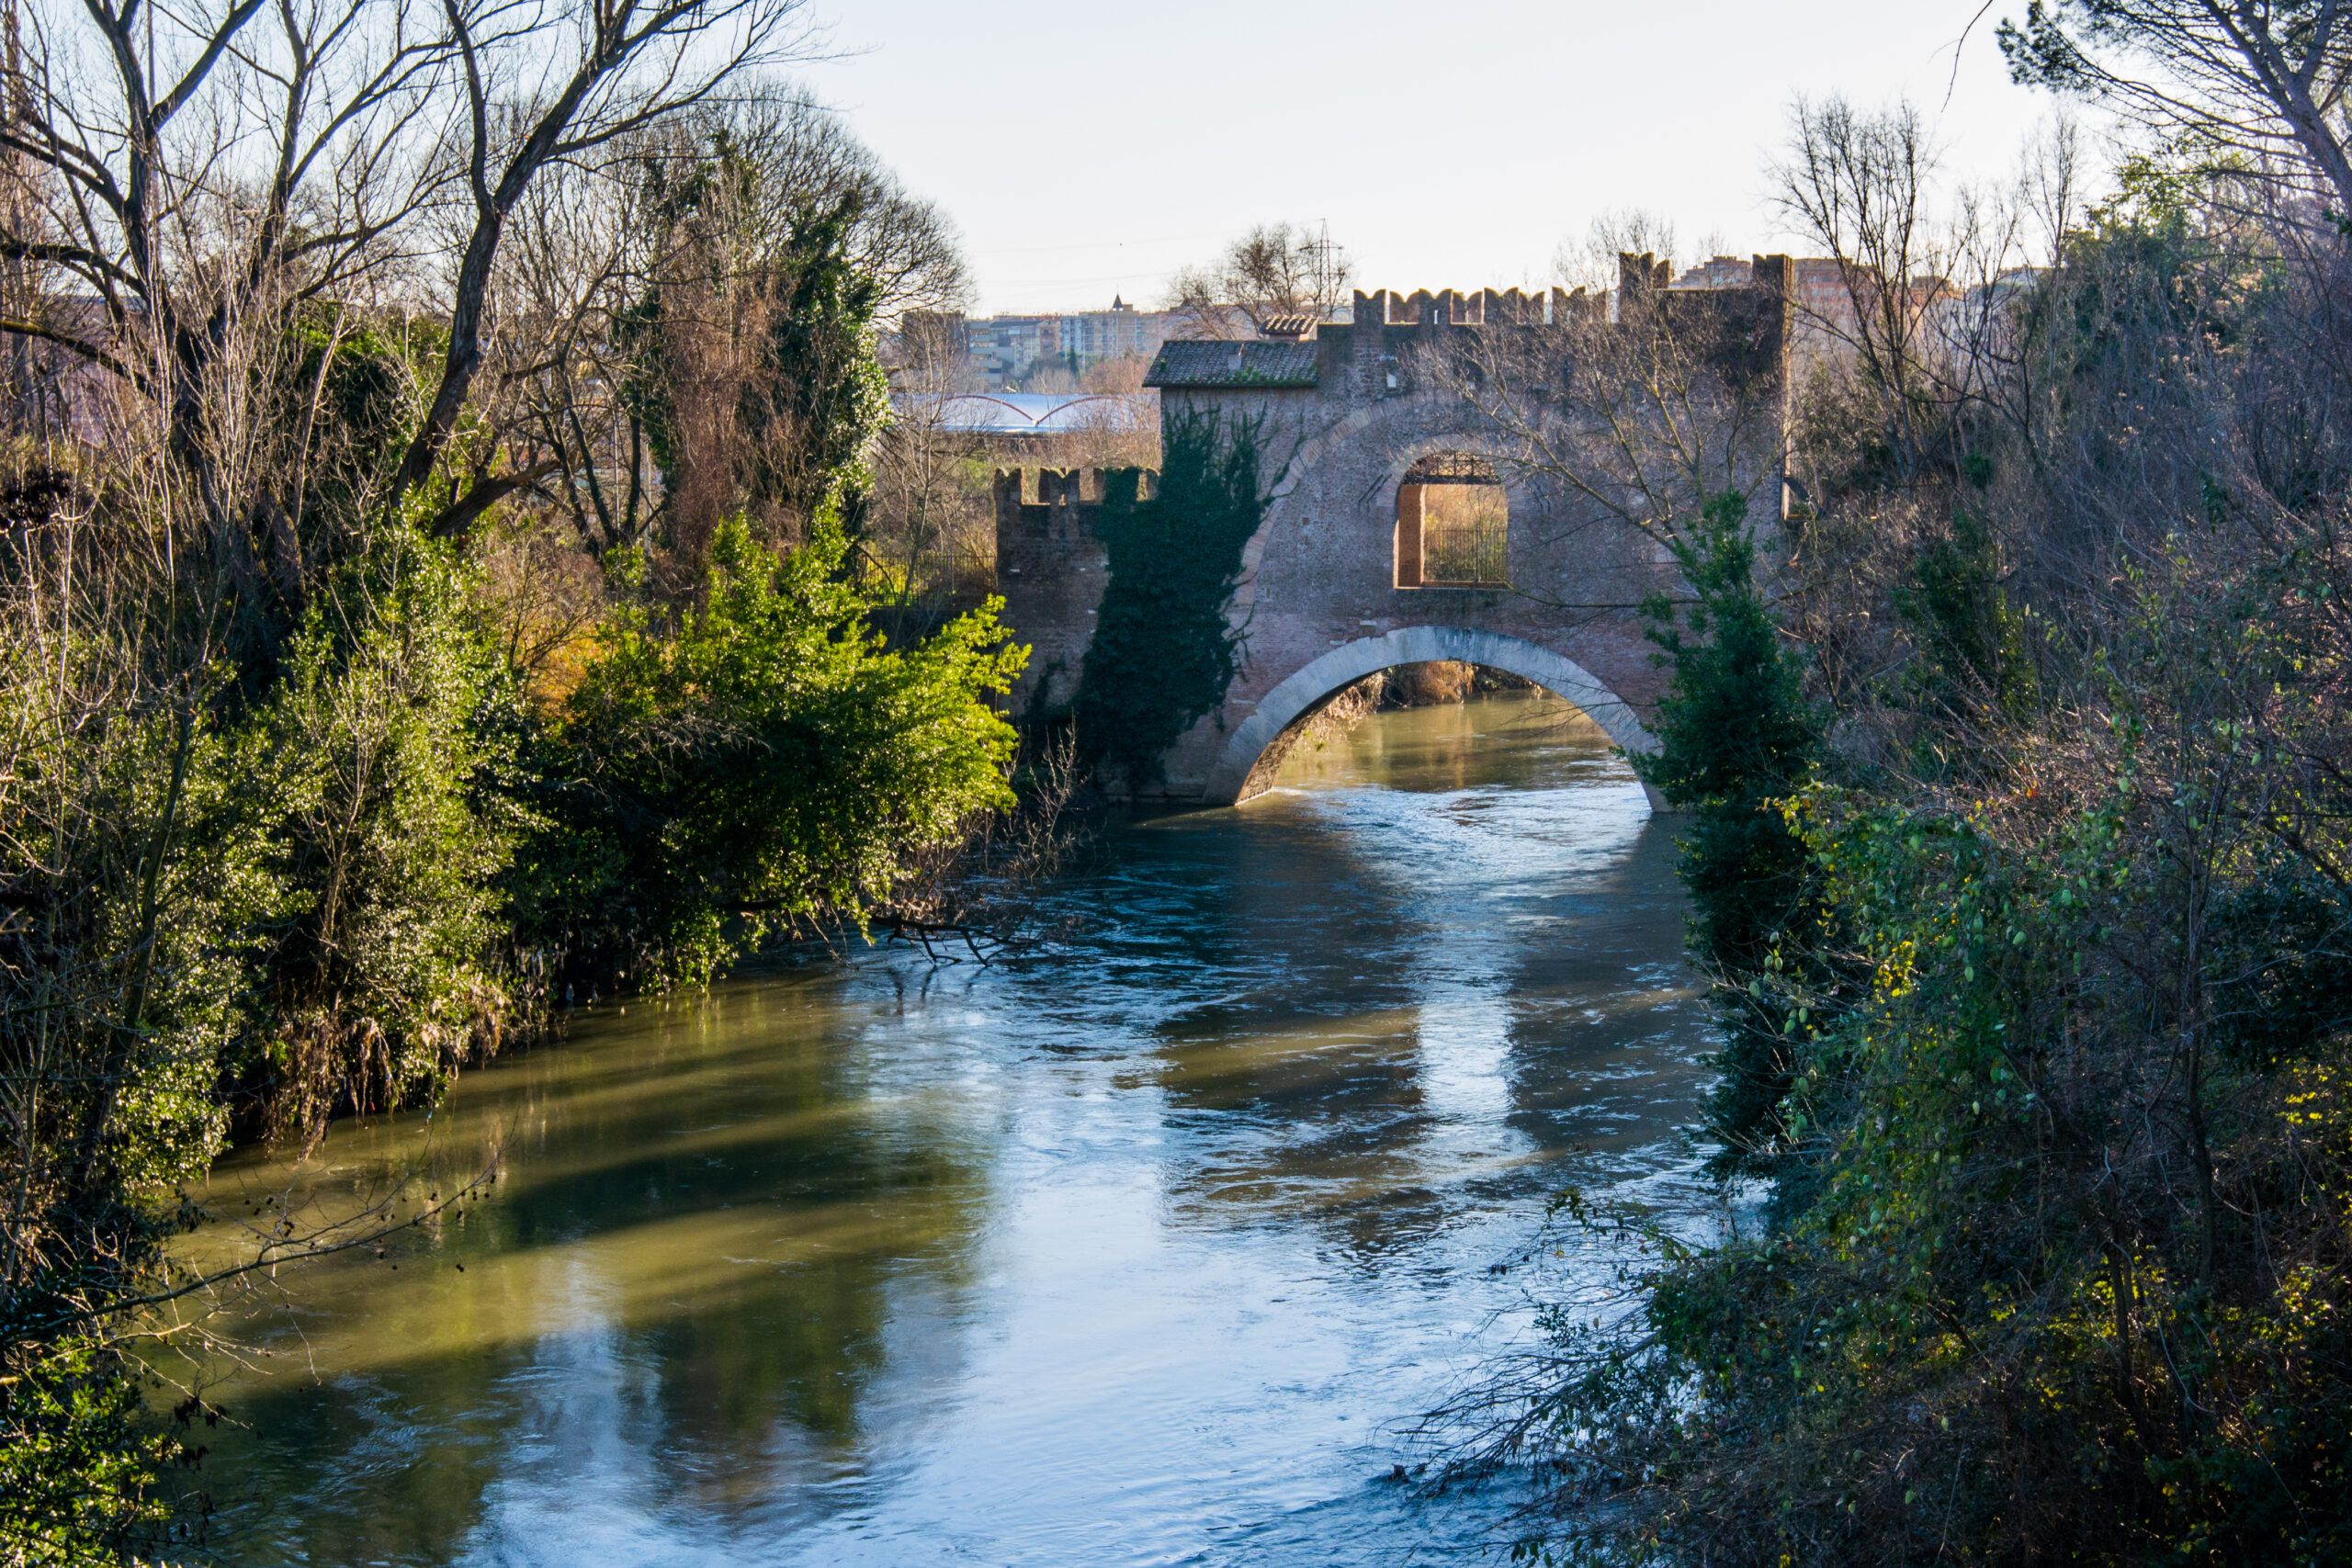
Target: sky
{"x": 1089, "y": 148}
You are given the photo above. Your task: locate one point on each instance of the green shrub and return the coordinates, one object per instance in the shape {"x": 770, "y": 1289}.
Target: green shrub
{"x": 80, "y": 1460}
{"x": 1736, "y": 734}
{"x": 767, "y": 763}
{"x": 367, "y": 769}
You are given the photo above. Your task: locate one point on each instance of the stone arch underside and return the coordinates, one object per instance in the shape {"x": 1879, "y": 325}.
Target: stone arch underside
{"x": 1306, "y": 689}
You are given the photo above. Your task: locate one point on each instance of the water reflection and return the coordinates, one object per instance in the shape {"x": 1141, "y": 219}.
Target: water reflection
{"x": 1133, "y": 1255}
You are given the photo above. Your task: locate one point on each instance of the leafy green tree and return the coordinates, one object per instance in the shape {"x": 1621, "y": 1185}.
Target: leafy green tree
{"x": 132, "y": 892}
{"x": 1737, "y": 735}
{"x": 283, "y": 827}
{"x": 1975, "y": 674}
{"x": 768, "y": 762}
{"x": 2056, "y": 1041}
{"x": 2253, "y": 86}
{"x": 369, "y": 767}
{"x": 80, "y": 1458}
{"x": 755, "y": 364}
{"x": 820, "y": 398}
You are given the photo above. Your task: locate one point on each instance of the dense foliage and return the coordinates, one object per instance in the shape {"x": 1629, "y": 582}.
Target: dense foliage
{"x": 765, "y": 762}
{"x": 2039, "y": 985}
{"x": 338, "y": 746}
{"x": 1736, "y": 734}
{"x": 752, "y": 348}
{"x": 1163, "y": 649}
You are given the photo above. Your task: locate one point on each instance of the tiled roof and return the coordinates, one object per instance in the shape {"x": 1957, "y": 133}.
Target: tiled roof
{"x": 1217, "y": 364}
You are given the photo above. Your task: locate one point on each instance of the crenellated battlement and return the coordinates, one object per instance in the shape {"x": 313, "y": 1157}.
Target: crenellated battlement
{"x": 1037, "y": 502}
{"x": 1375, "y": 354}
{"x": 1471, "y": 307}
{"x": 1639, "y": 278}
{"x": 1353, "y": 424}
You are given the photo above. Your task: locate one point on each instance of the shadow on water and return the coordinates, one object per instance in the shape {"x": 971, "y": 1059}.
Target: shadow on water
{"x": 1139, "y": 1254}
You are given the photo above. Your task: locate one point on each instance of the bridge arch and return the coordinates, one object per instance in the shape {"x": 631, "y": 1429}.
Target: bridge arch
{"x": 1294, "y": 697}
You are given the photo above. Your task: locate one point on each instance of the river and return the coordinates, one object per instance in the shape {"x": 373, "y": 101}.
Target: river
{"x": 1145, "y": 1250}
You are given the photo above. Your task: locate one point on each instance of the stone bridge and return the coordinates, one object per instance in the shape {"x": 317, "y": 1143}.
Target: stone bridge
{"x": 1406, "y": 524}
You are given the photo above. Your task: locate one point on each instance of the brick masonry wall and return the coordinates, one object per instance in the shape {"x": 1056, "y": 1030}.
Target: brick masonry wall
{"x": 1050, "y": 570}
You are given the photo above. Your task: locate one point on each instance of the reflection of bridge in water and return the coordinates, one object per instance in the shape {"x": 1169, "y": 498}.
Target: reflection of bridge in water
{"x": 1402, "y": 530}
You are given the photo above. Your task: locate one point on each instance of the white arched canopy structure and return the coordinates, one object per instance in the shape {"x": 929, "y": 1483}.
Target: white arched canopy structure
{"x": 1351, "y": 662}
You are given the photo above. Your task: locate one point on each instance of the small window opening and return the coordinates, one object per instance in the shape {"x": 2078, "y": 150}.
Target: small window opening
{"x": 1452, "y": 525}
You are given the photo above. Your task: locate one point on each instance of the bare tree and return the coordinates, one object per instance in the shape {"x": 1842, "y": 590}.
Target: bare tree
{"x": 593, "y": 244}
{"x": 1590, "y": 261}
{"x": 1628, "y": 421}
{"x": 1855, "y": 185}
{"x": 932, "y": 532}
{"x": 1912, "y": 313}
{"x": 635, "y": 66}
{"x": 202, "y": 184}
{"x": 1275, "y": 270}
{"x": 809, "y": 157}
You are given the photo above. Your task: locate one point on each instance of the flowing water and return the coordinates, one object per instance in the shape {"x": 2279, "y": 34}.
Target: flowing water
{"x": 1148, "y": 1250}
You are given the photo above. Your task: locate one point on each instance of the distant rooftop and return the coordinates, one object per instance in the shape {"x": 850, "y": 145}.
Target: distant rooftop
{"x": 1212, "y": 363}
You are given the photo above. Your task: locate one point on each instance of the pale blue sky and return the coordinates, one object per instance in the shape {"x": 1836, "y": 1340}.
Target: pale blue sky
{"x": 1089, "y": 147}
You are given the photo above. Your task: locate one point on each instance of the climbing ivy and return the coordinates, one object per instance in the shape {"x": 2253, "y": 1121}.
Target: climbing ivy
{"x": 1163, "y": 649}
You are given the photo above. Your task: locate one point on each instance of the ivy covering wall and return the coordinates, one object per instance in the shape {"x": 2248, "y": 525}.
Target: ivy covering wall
{"x": 1164, "y": 650}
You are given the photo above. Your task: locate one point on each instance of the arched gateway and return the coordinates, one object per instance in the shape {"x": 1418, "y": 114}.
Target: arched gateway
{"x": 1400, "y": 529}
{"x": 1303, "y": 691}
